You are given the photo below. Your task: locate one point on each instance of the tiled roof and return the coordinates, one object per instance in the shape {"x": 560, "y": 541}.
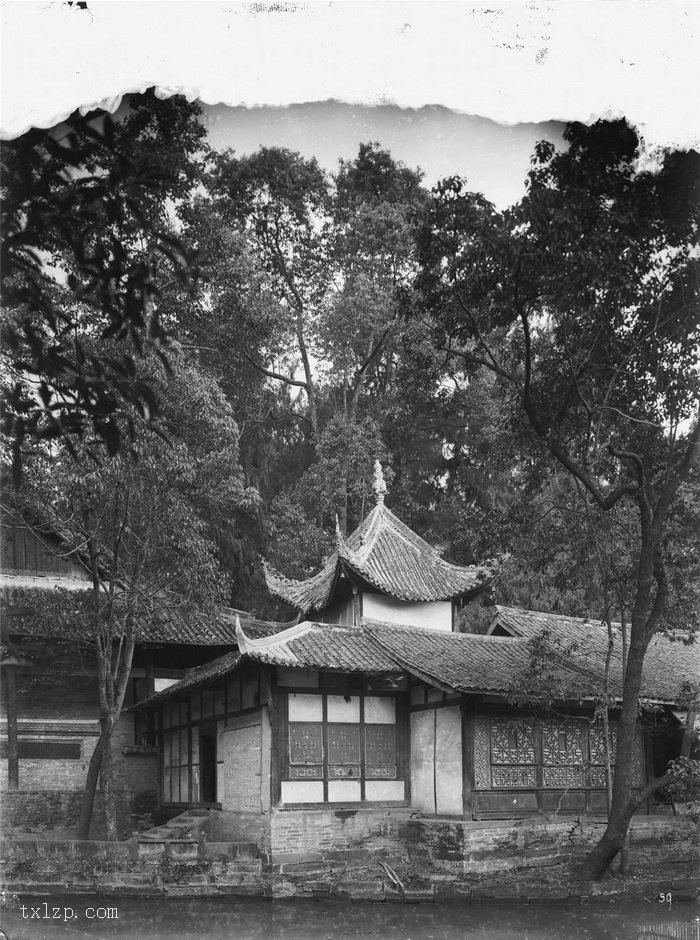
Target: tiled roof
{"x": 391, "y": 557}
{"x": 315, "y": 646}
{"x": 461, "y": 662}
{"x": 666, "y": 665}
{"x": 464, "y": 662}
{"x": 199, "y": 675}
{"x": 172, "y": 623}
{"x": 312, "y": 594}
{"x": 303, "y": 646}
{"x": 177, "y": 626}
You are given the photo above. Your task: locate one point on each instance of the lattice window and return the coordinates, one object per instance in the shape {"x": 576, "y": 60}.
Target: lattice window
{"x": 563, "y": 742}
{"x": 563, "y": 777}
{"x": 597, "y": 749}
{"x": 176, "y": 766}
{"x": 356, "y": 741}
{"x": 597, "y": 743}
{"x": 380, "y": 752}
{"x": 306, "y": 743}
{"x": 512, "y": 741}
{"x": 514, "y": 776}
{"x": 344, "y": 744}
{"x": 482, "y": 754}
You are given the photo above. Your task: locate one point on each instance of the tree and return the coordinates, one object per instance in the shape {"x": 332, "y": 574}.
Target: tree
{"x": 87, "y": 244}
{"x": 144, "y": 529}
{"x": 308, "y": 271}
{"x": 583, "y": 301}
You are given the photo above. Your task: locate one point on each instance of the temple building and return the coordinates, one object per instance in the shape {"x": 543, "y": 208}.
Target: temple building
{"x": 375, "y": 705}
{"x": 374, "y": 702}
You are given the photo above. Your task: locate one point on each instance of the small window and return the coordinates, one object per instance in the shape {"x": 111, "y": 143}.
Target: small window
{"x": 44, "y": 750}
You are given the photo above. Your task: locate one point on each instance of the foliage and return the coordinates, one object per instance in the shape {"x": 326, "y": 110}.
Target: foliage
{"x": 582, "y": 301}
{"x": 554, "y": 673}
{"x": 142, "y": 524}
{"x": 86, "y": 245}
{"x": 309, "y": 272}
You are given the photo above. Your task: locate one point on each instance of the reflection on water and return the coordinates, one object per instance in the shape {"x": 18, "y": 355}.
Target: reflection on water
{"x": 84, "y": 917}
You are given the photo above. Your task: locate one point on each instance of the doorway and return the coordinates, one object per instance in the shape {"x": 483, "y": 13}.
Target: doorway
{"x": 436, "y": 761}
{"x": 207, "y": 764}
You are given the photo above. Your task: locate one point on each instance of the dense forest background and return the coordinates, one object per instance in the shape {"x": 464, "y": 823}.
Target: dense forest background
{"x": 260, "y": 331}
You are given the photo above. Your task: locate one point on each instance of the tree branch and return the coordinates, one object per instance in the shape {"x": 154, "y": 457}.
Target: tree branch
{"x": 270, "y": 373}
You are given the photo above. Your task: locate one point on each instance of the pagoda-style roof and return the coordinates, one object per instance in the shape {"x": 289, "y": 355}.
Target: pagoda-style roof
{"x": 388, "y": 556}
{"x": 385, "y": 555}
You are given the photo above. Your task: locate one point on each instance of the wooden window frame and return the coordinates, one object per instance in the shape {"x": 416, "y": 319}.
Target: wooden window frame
{"x": 399, "y": 766}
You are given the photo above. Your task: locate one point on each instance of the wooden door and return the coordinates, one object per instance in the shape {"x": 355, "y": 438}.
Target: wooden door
{"x": 436, "y": 761}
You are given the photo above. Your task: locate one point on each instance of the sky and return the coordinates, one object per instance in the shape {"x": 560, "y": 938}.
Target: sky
{"x": 493, "y": 157}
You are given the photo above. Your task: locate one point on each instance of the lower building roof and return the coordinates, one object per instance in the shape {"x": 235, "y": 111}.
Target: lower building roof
{"x": 669, "y": 660}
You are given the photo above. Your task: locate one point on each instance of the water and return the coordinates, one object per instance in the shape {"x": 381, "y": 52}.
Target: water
{"x": 66, "y": 918}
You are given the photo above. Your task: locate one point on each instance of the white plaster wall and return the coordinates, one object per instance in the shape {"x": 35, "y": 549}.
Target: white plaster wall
{"x": 384, "y": 790}
{"x": 344, "y": 791}
{"x": 435, "y": 615}
{"x": 302, "y": 791}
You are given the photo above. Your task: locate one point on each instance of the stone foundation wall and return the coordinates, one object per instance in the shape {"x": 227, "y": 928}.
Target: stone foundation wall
{"x": 231, "y": 826}
{"x": 313, "y": 852}
{"x": 369, "y": 854}
{"x": 177, "y": 868}
{"x": 43, "y": 812}
{"x": 460, "y": 850}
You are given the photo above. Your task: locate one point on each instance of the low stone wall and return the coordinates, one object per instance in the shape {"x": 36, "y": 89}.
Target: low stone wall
{"x": 459, "y": 851}
{"x": 370, "y": 854}
{"x": 174, "y": 868}
{"x": 43, "y": 812}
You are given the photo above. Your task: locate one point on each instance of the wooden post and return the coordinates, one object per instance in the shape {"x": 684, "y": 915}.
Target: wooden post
{"x": 12, "y": 740}
{"x": 467, "y": 758}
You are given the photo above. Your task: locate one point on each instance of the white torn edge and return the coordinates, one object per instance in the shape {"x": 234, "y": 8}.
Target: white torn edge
{"x": 509, "y": 62}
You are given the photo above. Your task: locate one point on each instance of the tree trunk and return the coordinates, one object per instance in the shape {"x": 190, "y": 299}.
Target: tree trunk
{"x": 603, "y": 854}
{"x": 108, "y": 783}
{"x": 93, "y": 775}
{"x": 624, "y": 851}
{"x": 687, "y": 743}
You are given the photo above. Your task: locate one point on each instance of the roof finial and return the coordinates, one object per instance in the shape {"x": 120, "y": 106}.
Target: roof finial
{"x": 379, "y": 484}
{"x": 338, "y": 535}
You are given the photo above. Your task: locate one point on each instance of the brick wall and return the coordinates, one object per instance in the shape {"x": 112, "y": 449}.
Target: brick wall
{"x": 46, "y": 811}
{"x": 138, "y": 769}
{"x": 313, "y": 851}
{"x": 135, "y": 771}
{"x": 309, "y": 830}
{"x": 230, "y": 826}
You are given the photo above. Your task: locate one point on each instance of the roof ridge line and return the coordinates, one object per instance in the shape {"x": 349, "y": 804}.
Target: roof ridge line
{"x": 368, "y": 622}
{"x": 247, "y": 644}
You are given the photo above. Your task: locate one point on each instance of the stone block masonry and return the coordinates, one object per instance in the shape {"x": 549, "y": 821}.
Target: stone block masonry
{"x": 458, "y": 852}
{"x": 118, "y": 868}
{"x": 368, "y": 853}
